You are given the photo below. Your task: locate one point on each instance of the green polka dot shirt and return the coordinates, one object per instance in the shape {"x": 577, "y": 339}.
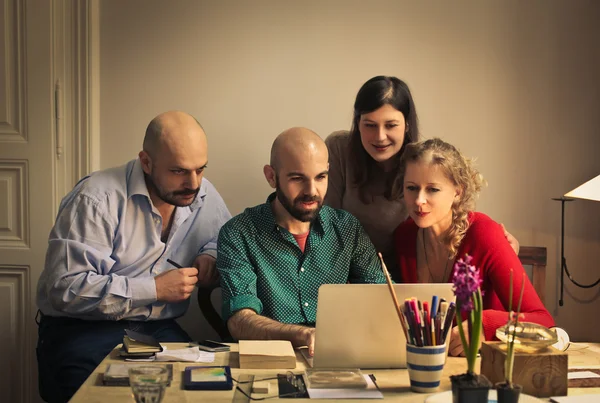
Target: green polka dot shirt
{"x": 262, "y": 267}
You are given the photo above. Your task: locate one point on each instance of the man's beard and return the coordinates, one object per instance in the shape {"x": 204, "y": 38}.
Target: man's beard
{"x": 171, "y": 197}
{"x": 296, "y": 212}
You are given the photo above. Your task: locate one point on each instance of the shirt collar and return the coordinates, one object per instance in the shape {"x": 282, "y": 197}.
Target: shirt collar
{"x": 136, "y": 185}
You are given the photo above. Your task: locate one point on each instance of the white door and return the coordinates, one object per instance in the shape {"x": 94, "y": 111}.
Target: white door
{"x": 27, "y": 191}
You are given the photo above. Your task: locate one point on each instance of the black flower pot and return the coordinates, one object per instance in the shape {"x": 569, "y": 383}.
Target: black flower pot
{"x": 508, "y": 394}
{"x": 470, "y": 388}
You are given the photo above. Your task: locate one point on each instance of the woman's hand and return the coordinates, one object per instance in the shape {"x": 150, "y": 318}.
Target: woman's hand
{"x": 455, "y": 348}
{"x": 511, "y": 240}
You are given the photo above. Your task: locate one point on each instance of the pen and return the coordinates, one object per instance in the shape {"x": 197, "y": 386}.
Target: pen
{"x": 409, "y": 320}
{"x": 434, "y": 306}
{"x": 175, "y": 264}
{"x": 449, "y": 319}
{"x": 443, "y": 310}
{"x": 438, "y": 328}
{"x": 427, "y": 323}
{"x": 409, "y": 338}
{"x": 415, "y": 308}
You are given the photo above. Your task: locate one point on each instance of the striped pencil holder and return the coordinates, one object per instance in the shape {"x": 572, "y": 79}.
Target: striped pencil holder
{"x": 425, "y": 366}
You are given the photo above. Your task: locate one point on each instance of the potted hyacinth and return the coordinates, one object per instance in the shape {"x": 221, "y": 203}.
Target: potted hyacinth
{"x": 469, "y": 387}
{"x": 508, "y": 392}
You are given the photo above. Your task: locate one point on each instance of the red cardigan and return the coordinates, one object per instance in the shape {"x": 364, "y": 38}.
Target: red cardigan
{"x": 493, "y": 255}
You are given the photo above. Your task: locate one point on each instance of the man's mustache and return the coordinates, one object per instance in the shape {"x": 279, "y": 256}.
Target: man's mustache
{"x": 186, "y": 192}
{"x": 308, "y": 199}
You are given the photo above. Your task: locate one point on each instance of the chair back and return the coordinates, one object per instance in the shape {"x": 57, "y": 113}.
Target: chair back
{"x": 211, "y": 314}
{"x": 535, "y": 256}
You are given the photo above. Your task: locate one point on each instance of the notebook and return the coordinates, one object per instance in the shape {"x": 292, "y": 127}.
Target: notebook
{"x": 139, "y": 343}
{"x": 358, "y": 327}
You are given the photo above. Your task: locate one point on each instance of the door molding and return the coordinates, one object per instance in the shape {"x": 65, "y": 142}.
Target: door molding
{"x": 77, "y": 98}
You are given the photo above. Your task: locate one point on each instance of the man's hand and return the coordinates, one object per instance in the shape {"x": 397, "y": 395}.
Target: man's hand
{"x": 207, "y": 270}
{"x": 307, "y": 338}
{"x": 455, "y": 348}
{"x": 511, "y": 240}
{"x": 176, "y": 285}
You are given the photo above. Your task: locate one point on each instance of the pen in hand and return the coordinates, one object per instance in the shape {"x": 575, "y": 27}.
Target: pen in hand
{"x": 175, "y": 264}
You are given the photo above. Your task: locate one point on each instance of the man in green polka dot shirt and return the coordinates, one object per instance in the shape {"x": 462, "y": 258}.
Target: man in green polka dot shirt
{"x": 273, "y": 258}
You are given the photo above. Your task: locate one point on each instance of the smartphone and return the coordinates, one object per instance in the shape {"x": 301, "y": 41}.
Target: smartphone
{"x": 212, "y": 346}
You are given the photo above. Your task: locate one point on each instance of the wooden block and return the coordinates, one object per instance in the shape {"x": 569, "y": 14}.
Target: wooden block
{"x": 261, "y": 387}
{"x": 541, "y": 374}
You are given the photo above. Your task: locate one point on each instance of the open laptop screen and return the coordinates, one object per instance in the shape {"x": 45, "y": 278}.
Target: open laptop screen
{"x": 358, "y": 327}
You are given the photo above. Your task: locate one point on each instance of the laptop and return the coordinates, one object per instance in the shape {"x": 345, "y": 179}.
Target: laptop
{"x": 358, "y": 327}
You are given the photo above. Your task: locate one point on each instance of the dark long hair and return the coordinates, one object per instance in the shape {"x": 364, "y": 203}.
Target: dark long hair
{"x": 375, "y": 93}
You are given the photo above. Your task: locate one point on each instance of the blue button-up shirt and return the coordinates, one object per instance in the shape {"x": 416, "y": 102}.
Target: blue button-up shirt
{"x": 105, "y": 248}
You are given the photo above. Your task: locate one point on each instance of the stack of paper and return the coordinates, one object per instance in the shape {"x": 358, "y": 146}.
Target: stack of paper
{"x": 267, "y": 354}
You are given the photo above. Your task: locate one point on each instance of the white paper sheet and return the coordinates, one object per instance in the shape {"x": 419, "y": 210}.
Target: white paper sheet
{"x": 190, "y": 354}
{"x": 595, "y": 398}
{"x": 582, "y": 375}
{"x": 371, "y": 392}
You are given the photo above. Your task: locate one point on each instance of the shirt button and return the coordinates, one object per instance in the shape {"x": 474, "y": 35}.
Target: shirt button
{"x": 306, "y": 304}
{"x": 302, "y": 269}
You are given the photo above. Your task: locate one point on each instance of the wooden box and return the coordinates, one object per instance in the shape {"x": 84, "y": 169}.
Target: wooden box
{"x": 541, "y": 374}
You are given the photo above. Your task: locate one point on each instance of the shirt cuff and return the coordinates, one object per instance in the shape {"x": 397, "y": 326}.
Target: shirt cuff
{"x": 240, "y": 302}
{"x": 143, "y": 291}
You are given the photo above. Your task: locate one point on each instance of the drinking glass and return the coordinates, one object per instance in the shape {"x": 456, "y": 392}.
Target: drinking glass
{"x": 148, "y": 383}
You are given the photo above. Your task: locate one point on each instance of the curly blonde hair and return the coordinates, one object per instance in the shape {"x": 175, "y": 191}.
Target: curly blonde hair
{"x": 459, "y": 170}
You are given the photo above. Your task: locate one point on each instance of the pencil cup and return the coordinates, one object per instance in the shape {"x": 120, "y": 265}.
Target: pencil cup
{"x": 425, "y": 365}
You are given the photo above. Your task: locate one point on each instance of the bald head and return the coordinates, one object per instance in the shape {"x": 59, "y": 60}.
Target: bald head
{"x": 297, "y": 144}
{"x": 172, "y": 130}
{"x": 174, "y": 158}
{"x": 298, "y": 172}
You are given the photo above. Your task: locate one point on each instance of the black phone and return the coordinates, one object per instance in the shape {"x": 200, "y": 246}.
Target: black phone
{"x": 212, "y": 346}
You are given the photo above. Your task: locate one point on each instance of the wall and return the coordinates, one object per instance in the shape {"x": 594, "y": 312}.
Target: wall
{"x": 512, "y": 83}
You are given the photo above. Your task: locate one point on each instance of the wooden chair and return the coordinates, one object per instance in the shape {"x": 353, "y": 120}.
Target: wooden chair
{"x": 211, "y": 314}
{"x": 535, "y": 256}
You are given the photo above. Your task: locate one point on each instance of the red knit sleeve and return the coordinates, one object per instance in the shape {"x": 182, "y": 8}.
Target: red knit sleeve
{"x": 493, "y": 255}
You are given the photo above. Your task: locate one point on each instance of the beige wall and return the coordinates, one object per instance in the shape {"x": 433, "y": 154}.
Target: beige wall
{"x": 512, "y": 83}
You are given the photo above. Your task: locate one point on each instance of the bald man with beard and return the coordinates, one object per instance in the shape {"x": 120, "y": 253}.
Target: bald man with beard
{"x": 106, "y": 266}
{"x": 273, "y": 257}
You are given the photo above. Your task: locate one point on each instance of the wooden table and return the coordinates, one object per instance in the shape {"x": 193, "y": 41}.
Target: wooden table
{"x": 393, "y": 383}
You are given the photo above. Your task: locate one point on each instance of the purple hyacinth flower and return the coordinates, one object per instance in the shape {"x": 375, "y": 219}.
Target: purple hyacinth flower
{"x": 466, "y": 282}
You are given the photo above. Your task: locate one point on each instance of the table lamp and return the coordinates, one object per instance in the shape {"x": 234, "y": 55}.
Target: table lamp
{"x": 590, "y": 190}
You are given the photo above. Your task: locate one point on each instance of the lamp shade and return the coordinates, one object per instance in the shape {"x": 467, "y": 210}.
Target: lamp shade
{"x": 590, "y": 190}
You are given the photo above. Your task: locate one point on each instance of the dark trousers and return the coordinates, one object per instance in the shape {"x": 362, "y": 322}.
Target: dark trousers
{"x": 69, "y": 349}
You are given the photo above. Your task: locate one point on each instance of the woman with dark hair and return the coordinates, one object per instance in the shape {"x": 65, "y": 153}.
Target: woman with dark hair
{"x": 439, "y": 187}
{"x": 363, "y": 163}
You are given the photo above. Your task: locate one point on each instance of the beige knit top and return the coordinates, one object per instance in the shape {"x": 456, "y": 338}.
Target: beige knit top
{"x": 380, "y": 217}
